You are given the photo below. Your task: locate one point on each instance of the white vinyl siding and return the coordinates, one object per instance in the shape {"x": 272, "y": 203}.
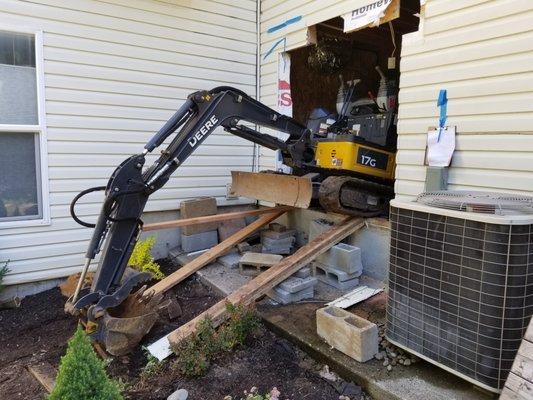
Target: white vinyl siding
{"x": 114, "y": 72}
{"x": 482, "y": 53}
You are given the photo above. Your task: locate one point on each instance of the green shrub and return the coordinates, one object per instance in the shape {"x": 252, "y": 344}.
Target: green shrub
{"x": 4, "y": 270}
{"x": 82, "y": 374}
{"x": 196, "y": 353}
{"x": 141, "y": 258}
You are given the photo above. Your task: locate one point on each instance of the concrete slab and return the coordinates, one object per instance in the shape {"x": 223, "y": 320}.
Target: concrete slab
{"x": 230, "y": 260}
{"x": 283, "y": 297}
{"x": 222, "y": 279}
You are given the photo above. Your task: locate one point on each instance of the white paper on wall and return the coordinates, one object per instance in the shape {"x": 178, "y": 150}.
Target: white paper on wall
{"x": 369, "y": 14}
{"x": 441, "y": 145}
{"x": 284, "y": 84}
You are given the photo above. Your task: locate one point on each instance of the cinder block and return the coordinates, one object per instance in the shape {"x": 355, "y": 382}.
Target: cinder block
{"x": 284, "y": 297}
{"x": 253, "y": 264}
{"x": 275, "y": 235}
{"x": 295, "y": 285}
{"x": 285, "y": 242}
{"x": 305, "y": 272}
{"x": 199, "y": 241}
{"x": 339, "y": 279}
{"x": 348, "y": 333}
{"x": 343, "y": 257}
{"x": 230, "y": 260}
{"x": 276, "y": 250}
{"x": 199, "y": 207}
{"x": 243, "y": 247}
{"x": 230, "y": 227}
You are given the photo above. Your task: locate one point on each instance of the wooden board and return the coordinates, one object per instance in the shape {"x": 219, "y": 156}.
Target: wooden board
{"x": 212, "y": 254}
{"x": 213, "y": 218}
{"x": 519, "y": 384}
{"x": 45, "y": 375}
{"x": 276, "y": 188}
{"x": 259, "y": 286}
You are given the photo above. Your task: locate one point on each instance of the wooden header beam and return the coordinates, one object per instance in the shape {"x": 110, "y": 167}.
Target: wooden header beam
{"x": 213, "y": 218}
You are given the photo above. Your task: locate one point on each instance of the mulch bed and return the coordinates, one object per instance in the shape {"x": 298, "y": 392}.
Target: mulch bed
{"x": 39, "y": 330}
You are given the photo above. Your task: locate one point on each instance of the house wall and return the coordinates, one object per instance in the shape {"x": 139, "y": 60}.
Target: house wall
{"x": 115, "y": 70}
{"x": 481, "y": 51}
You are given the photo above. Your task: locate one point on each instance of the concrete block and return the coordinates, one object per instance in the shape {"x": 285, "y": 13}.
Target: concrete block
{"x": 230, "y": 260}
{"x": 284, "y": 297}
{"x": 274, "y": 235}
{"x": 285, "y": 242}
{"x": 305, "y": 272}
{"x": 198, "y": 208}
{"x": 295, "y": 285}
{"x": 230, "y": 227}
{"x": 339, "y": 279}
{"x": 199, "y": 241}
{"x": 343, "y": 257}
{"x": 276, "y": 250}
{"x": 244, "y": 247}
{"x": 252, "y": 264}
{"x": 348, "y": 333}
{"x": 250, "y": 218}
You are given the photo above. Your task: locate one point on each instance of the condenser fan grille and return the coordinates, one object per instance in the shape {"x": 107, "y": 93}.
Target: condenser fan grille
{"x": 478, "y": 202}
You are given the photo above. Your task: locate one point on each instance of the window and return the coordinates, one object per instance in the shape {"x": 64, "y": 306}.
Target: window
{"x": 23, "y": 184}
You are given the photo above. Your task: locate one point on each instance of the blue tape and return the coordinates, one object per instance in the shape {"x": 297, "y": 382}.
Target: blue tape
{"x": 290, "y": 21}
{"x": 269, "y": 52}
{"x": 442, "y": 102}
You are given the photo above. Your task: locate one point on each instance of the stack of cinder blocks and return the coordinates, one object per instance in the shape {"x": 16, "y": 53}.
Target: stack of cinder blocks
{"x": 278, "y": 239}
{"x": 299, "y": 286}
{"x": 200, "y": 236}
{"x": 340, "y": 266}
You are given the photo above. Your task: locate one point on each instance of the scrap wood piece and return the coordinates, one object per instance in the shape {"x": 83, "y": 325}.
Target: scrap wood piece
{"x": 212, "y": 254}
{"x": 45, "y": 374}
{"x": 213, "y": 218}
{"x": 260, "y": 285}
{"x": 290, "y": 190}
{"x": 357, "y": 295}
{"x": 519, "y": 383}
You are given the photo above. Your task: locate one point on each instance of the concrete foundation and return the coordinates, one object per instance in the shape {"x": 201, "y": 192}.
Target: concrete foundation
{"x": 199, "y": 241}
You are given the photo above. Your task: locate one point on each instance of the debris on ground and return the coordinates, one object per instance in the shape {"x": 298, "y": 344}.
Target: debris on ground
{"x": 392, "y": 355}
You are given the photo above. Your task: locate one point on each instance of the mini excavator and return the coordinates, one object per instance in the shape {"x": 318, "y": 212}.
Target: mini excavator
{"x": 114, "y": 311}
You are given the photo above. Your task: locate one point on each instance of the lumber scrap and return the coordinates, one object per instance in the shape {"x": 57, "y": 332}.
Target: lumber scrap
{"x": 519, "y": 383}
{"x": 282, "y": 189}
{"x": 212, "y": 218}
{"x": 272, "y": 277}
{"x": 45, "y": 374}
{"x": 212, "y": 254}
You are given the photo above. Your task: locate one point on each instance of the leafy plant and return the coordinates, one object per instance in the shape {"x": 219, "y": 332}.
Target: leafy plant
{"x": 82, "y": 374}
{"x": 152, "y": 366}
{"x": 196, "y": 353}
{"x": 4, "y": 270}
{"x": 141, "y": 258}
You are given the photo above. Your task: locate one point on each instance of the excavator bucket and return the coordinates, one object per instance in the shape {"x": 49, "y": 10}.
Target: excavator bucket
{"x": 121, "y": 328}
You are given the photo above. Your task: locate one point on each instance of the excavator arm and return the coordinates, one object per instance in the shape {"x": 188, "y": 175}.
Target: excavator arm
{"x": 131, "y": 184}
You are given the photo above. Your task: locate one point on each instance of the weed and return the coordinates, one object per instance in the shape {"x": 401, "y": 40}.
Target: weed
{"x": 82, "y": 374}
{"x": 4, "y": 270}
{"x": 141, "y": 258}
{"x": 196, "y": 353}
{"x": 152, "y": 366}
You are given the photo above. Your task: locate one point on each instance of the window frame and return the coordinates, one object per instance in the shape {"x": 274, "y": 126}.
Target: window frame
{"x": 41, "y": 158}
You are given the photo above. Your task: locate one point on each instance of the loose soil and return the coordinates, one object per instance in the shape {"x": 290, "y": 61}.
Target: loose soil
{"x": 39, "y": 329}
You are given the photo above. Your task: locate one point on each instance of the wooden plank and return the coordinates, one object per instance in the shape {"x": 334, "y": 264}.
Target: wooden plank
{"x": 273, "y": 276}
{"x": 212, "y": 254}
{"x": 45, "y": 375}
{"x": 519, "y": 386}
{"x": 276, "y": 188}
{"x": 523, "y": 366}
{"x": 213, "y": 218}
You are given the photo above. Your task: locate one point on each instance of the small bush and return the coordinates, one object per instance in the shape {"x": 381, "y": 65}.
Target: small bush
{"x": 4, "y": 270}
{"x": 152, "y": 366}
{"x": 196, "y": 353}
{"x": 82, "y": 374}
{"x": 141, "y": 258}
